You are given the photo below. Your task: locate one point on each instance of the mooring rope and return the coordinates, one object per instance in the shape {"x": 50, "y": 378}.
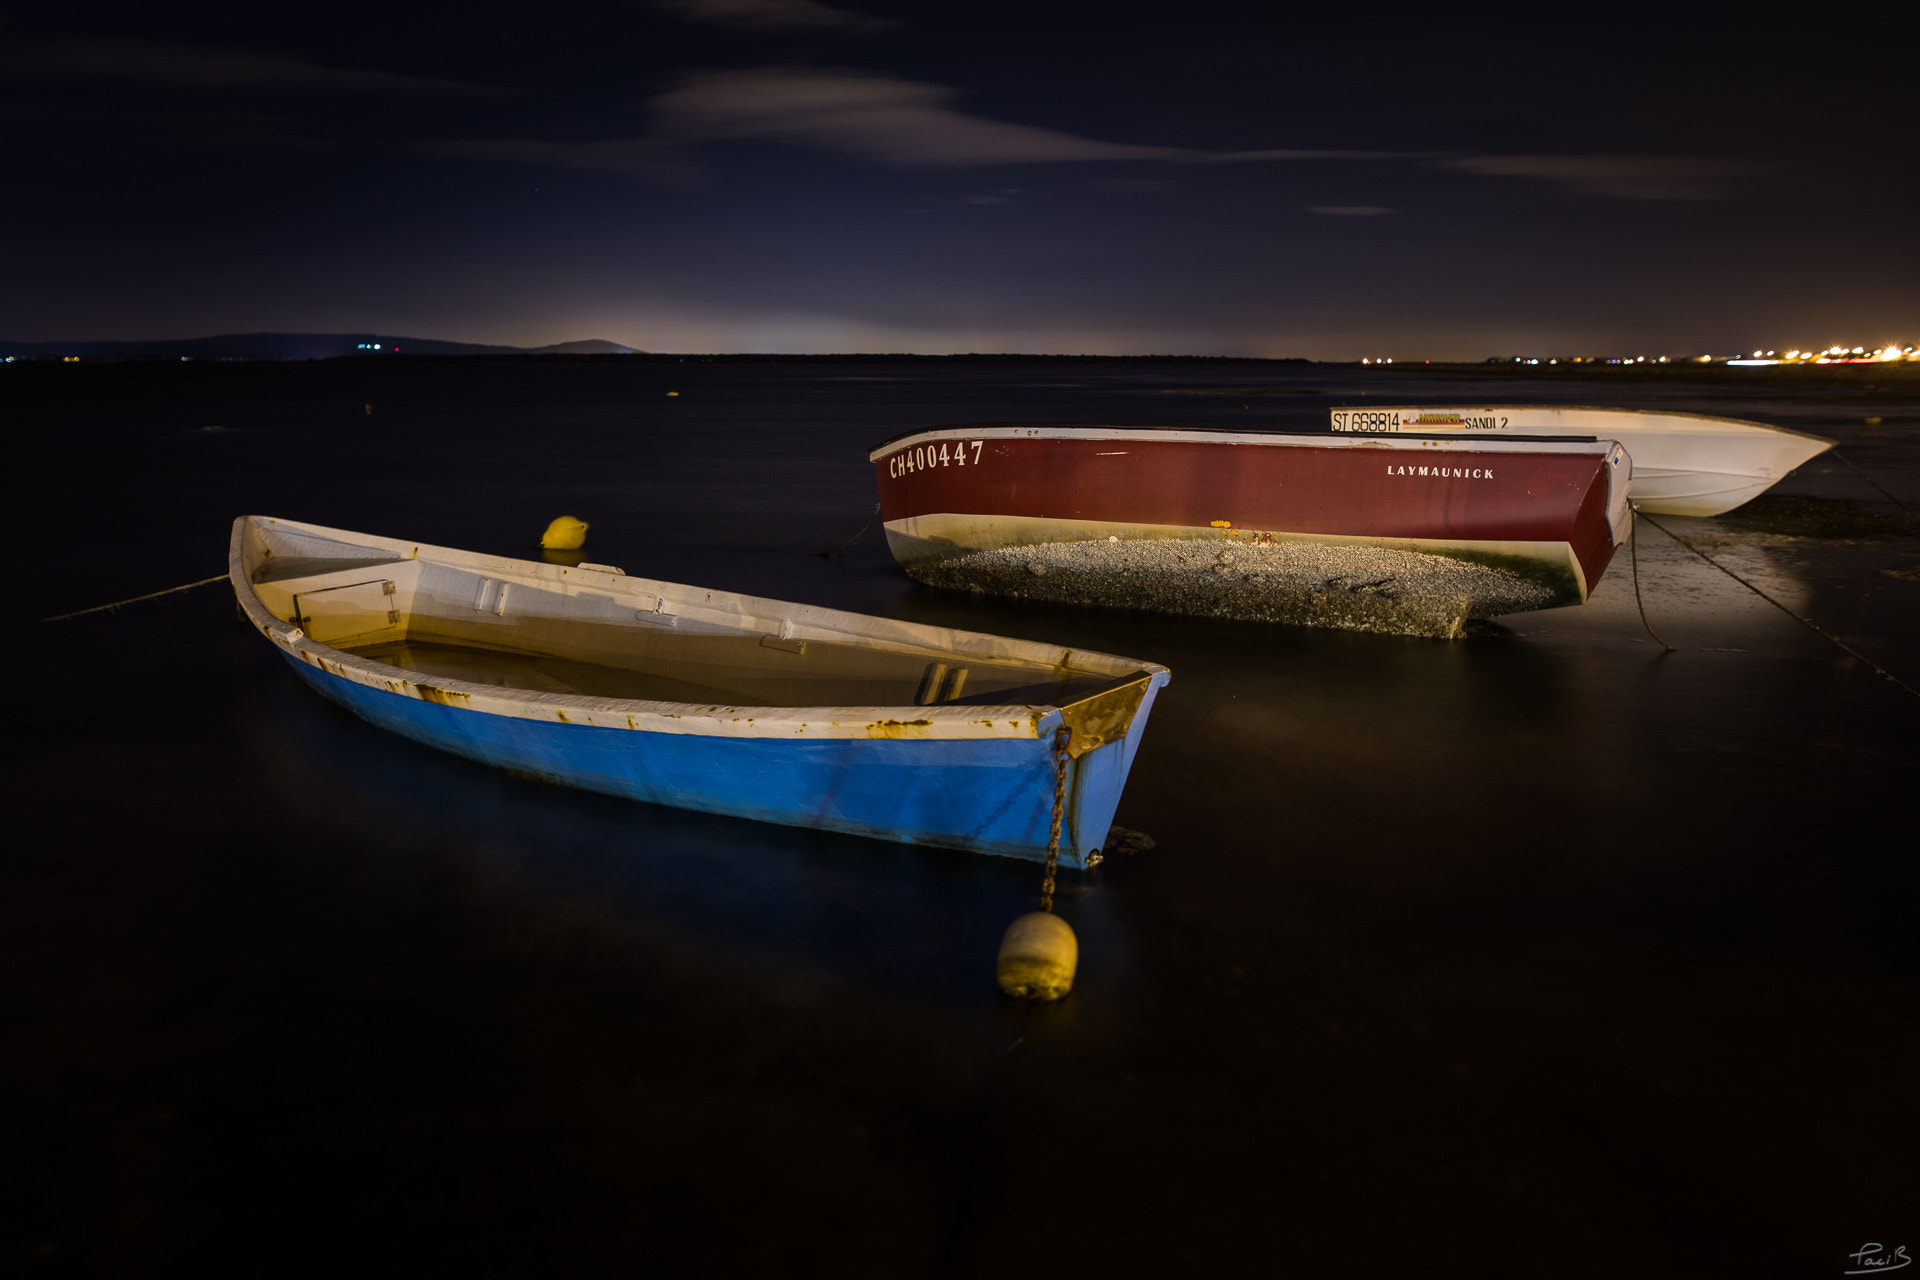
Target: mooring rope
{"x": 856, "y": 537}
{"x": 1039, "y": 952}
{"x": 1808, "y": 623}
{"x": 1875, "y": 483}
{"x": 151, "y": 595}
{"x": 1061, "y": 737}
{"x": 1633, "y": 539}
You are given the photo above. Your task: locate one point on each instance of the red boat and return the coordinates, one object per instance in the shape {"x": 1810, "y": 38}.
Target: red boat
{"x": 1551, "y": 511}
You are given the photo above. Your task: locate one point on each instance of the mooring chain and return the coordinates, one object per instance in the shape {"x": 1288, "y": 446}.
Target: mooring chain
{"x": 1061, "y": 737}
{"x": 1633, "y": 538}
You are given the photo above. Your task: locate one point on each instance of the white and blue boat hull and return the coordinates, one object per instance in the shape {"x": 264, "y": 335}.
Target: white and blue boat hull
{"x": 977, "y": 777}
{"x": 989, "y": 796}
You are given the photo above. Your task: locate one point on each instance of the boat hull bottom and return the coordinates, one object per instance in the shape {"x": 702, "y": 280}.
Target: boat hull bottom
{"x": 1695, "y": 493}
{"x": 1411, "y": 587}
{"x": 989, "y": 796}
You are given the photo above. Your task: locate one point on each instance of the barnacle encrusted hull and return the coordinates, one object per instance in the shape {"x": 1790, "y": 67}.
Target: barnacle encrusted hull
{"x": 1400, "y": 533}
{"x": 1376, "y": 589}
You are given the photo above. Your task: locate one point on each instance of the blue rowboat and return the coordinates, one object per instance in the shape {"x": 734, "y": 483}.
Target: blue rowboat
{"x": 703, "y": 699}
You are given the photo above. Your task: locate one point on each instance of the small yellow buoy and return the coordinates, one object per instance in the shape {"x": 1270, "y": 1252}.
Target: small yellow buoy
{"x": 1038, "y": 957}
{"x": 565, "y": 534}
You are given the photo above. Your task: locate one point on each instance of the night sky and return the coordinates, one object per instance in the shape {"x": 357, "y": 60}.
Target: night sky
{"x": 1333, "y": 181}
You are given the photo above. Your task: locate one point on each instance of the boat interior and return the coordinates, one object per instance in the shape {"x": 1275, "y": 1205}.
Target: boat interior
{"x": 597, "y": 633}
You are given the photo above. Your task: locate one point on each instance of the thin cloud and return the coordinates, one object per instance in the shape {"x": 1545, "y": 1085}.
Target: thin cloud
{"x": 902, "y": 124}
{"x": 774, "y": 14}
{"x": 909, "y": 124}
{"x": 239, "y": 130}
{"x": 1623, "y": 177}
{"x": 646, "y": 158}
{"x": 233, "y": 130}
{"x": 207, "y": 68}
{"x": 1284, "y": 154}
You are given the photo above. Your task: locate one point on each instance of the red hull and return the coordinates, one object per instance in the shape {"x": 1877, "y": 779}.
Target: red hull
{"x": 956, "y": 490}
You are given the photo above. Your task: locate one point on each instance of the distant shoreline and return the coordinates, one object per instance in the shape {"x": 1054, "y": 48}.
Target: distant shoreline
{"x": 1903, "y": 371}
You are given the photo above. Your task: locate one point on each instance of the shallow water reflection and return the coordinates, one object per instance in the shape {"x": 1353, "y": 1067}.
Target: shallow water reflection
{"x": 1451, "y": 956}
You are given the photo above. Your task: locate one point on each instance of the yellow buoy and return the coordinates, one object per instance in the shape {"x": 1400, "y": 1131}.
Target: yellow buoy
{"x": 565, "y": 534}
{"x": 1038, "y": 957}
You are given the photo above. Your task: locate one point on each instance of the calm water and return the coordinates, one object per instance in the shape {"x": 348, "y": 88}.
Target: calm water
{"x": 1539, "y": 953}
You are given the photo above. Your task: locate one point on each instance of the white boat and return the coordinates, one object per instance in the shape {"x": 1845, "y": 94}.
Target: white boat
{"x": 1684, "y": 464}
{"x": 705, "y": 699}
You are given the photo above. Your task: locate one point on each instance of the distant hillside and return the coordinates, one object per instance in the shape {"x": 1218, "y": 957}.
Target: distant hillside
{"x": 294, "y": 346}
{"x": 590, "y": 347}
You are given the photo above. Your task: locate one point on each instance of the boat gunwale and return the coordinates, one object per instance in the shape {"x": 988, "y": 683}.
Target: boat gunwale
{"x": 1218, "y": 435}
{"x": 939, "y": 722}
{"x": 1829, "y": 441}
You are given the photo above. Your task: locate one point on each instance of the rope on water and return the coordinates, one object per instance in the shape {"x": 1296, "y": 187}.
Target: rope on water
{"x": 1633, "y": 538}
{"x": 855, "y": 538}
{"x": 1808, "y": 623}
{"x": 151, "y": 595}
{"x": 1875, "y": 483}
